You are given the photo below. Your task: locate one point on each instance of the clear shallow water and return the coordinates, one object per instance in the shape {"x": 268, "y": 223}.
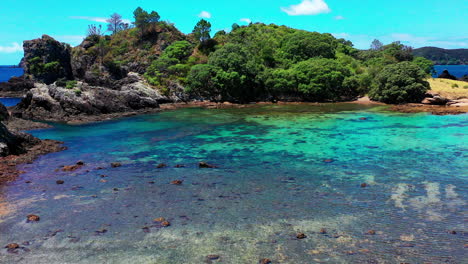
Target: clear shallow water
{"x": 8, "y": 101}
{"x": 456, "y": 70}
{"x": 272, "y": 182}
{"x": 7, "y": 73}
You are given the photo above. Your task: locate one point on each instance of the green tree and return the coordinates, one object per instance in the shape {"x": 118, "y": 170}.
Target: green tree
{"x": 400, "y": 83}
{"x": 303, "y": 45}
{"x": 202, "y": 30}
{"x": 376, "y": 45}
{"x": 144, "y": 19}
{"x": 426, "y": 65}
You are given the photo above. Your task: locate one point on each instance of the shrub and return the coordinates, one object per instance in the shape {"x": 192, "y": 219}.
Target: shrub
{"x": 78, "y": 92}
{"x": 400, "y": 83}
{"x": 70, "y": 84}
{"x": 465, "y": 87}
{"x": 454, "y": 85}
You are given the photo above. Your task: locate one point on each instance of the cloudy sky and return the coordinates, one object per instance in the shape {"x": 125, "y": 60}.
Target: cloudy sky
{"x": 414, "y": 22}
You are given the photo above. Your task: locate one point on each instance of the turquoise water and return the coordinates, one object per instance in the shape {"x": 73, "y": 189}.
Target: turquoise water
{"x": 272, "y": 182}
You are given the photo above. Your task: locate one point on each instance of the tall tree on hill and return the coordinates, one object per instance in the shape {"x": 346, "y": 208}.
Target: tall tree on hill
{"x": 115, "y": 23}
{"x": 202, "y": 30}
{"x": 143, "y": 19}
{"x": 376, "y": 45}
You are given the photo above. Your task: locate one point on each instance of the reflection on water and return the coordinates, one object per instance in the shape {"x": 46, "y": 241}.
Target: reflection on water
{"x": 282, "y": 170}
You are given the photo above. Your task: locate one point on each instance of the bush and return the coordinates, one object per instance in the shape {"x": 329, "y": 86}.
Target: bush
{"x": 400, "y": 83}
{"x": 70, "y": 84}
{"x": 454, "y": 85}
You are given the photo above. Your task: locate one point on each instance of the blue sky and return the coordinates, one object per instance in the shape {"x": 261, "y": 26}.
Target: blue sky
{"x": 414, "y": 22}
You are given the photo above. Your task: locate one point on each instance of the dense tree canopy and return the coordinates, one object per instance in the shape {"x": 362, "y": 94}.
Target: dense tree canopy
{"x": 400, "y": 83}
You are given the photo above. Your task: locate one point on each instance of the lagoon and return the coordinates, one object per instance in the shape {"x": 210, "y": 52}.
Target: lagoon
{"x": 282, "y": 169}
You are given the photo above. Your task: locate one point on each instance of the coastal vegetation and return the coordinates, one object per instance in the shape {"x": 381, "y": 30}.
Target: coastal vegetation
{"x": 449, "y": 88}
{"x": 249, "y": 63}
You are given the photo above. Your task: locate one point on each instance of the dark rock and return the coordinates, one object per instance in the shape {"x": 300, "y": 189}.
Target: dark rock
{"x": 212, "y": 257}
{"x": 60, "y": 182}
{"x": 453, "y": 232}
{"x": 33, "y": 218}
{"x": 205, "y": 165}
{"x": 38, "y": 53}
{"x": 101, "y": 231}
{"x": 446, "y": 75}
{"x": 71, "y": 167}
{"x": 265, "y": 261}
{"x": 363, "y": 185}
{"x": 16, "y": 87}
{"x": 15, "y": 143}
{"x": 371, "y": 232}
{"x": 116, "y": 164}
{"x": 179, "y": 166}
{"x": 80, "y": 163}
{"x": 4, "y": 114}
{"x": 328, "y": 160}
{"x": 161, "y": 165}
{"x": 323, "y": 231}
{"x": 176, "y": 182}
{"x": 301, "y": 236}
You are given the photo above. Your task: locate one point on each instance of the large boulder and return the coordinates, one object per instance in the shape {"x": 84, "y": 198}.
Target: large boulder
{"x": 46, "y": 59}
{"x": 52, "y": 102}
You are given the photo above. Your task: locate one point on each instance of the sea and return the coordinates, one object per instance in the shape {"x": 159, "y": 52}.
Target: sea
{"x": 281, "y": 170}
{"x": 6, "y": 72}
{"x": 456, "y": 70}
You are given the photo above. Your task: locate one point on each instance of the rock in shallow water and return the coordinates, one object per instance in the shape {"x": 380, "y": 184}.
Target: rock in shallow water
{"x": 33, "y": 218}
{"x": 301, "y": 236}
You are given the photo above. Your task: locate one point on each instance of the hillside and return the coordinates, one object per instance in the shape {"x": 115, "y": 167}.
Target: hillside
{"x": 443, "y": 56}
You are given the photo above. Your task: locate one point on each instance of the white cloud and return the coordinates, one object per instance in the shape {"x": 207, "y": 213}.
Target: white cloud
{"x": 94, "y": 19}
{"x": 339, "y": 18}
{"x": 98, "y": 19}
{"x": 15, "y": 47}
{"x": 307, "y": 7}
{"x": 341, "y": 35}
{"x": 246, "y": 20}
{"x": 204, "y": 14}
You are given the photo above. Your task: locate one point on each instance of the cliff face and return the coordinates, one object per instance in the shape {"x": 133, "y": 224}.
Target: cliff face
{"x": 47, "y": 60}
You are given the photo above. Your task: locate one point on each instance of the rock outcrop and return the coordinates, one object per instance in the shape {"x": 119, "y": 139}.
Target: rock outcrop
{"x": 46, "y": 59}
{"x": 446, "y": 75}
{"x": 4, "y": 115}
{"x": 16, "y": 86}
{"x": 435, "y": 99}
{"x": 55, "y": 103}
{"x": 14, "y": 143}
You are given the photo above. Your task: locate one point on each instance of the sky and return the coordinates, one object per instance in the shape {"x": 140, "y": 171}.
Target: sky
{"x": 416, "y": 23}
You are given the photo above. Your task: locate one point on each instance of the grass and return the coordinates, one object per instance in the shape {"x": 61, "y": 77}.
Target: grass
{"x": 449, "y": 88}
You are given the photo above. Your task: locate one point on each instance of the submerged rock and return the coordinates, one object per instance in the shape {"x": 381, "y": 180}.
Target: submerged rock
{"x": 177, "y": 182}
{"x": 328, "y": 160}
{"x": 159, "y": 219}
{"x": 323, "y": 231}
{"x": 213, "y": 257}
{"x": 116, "y": 164}
{"x": 33, "y": 218}
{"x": 12, "y": 246}
{"x": 75, "y": 167}
{"x": 363, "y": 185}
{"x": 60, "y": 182}
{"x": 161, "y": 165}
{"x": 371, "y": 232}
{"x": 205, "y": 165}
{"x": 265, "y": 261}
{"x": 301, "y": 236}
{"x": 165, "y": 223}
